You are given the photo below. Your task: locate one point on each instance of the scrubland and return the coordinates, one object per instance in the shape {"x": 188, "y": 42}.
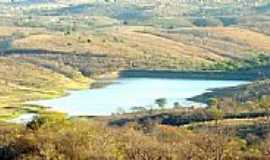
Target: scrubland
{"x": 49, "y": 47}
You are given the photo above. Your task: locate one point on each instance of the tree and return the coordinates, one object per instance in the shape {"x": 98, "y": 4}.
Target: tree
{"x": 125, "y": 22}
{"x": 215, "y": 111}
{"x": 120, "y": 110}
{"x": 89, "y": 40}
{"x": 212, "y": 102}
{"x": 176, "y": 105}
{"x": 217, "y": 114}
{"x": 161, "y": 102}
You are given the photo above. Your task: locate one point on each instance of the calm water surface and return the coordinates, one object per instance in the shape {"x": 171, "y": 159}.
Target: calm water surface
{"x": 130, "y": 92}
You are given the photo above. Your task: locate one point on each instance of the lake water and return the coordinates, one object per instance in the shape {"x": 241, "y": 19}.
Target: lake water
{"x": 23, "y": 119}
{"x": 129, "y": 92}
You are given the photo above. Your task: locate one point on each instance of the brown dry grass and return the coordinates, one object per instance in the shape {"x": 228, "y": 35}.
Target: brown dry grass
{"x": 81, "y": 139}
{"x": 253, "y": 39}
{"x": 9, "y": 31}
{"x": 220, "y": 42}
{"x": 123, "y": 41}
{"x": 189, "y": 45}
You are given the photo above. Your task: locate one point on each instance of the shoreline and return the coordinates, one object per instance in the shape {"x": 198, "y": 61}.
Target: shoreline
{"x": 39, "y": 108}
{"x": 106, "y": 79}
{"x": 197, "y": 75}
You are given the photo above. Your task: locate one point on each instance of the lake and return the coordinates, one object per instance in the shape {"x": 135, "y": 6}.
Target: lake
{"x": 126, "y": 93}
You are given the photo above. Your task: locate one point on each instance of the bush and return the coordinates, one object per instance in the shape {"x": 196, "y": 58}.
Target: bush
{"x": 204, "y": 22}
{"x": 47, "y": 119}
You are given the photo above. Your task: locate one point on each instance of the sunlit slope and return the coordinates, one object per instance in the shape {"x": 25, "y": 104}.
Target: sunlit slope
{"x": 245, "y": 37}
{"x": 225, "y": 42}
{"x": 6, "y": 31}
{"x": 22, "y": 81}
{"x": 188, "y": 46}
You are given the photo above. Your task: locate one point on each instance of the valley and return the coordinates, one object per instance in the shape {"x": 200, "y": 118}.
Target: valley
{"x": 131, "y": 68}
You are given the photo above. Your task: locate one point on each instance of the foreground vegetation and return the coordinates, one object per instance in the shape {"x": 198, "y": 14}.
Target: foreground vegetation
{"x": 54, "y": 136}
